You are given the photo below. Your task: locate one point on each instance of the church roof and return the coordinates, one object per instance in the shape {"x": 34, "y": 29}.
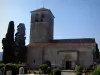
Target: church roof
{"x": 83, "y": 40}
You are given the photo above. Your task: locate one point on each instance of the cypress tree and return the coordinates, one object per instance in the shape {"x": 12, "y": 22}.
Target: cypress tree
{"x": 8, "y": 42}
{"x": 21, "y": 49}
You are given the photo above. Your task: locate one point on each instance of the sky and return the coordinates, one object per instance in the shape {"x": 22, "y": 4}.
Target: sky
{"x": 73, "y": 18}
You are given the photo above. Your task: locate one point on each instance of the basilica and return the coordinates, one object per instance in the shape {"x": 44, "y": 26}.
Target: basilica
{"x": 65, "y": 53}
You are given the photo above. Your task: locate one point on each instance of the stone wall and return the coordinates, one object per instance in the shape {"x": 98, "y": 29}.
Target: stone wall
{"x": 34, "y": 56}
{"x": 39, "y": 32}
{"x": 78, "y": 55}
{"x": 82, "y": 55}
{"x": 41, "y": 29}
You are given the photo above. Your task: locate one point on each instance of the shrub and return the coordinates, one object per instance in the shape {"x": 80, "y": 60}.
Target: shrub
{"x": 49, "y": 70}
{"x": 56, "y": 72}
{"x": 40, "y": 71}
{"x": 48, "y": 63}
{"x": 13, "y": 68}
{"x": 78, "y": 70}
{"x": 96, "y": 71}
{"x": 10, "y": 66}
{"x": 1, "y": 65}
{"x": 44, "y": 68}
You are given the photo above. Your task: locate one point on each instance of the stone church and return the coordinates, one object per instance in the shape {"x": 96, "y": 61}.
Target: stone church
{"x": 65, "y": 53}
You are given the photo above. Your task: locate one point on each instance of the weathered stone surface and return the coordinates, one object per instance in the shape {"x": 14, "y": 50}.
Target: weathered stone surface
{"x": 59, "y": 55}
{"x": 41, "y": 29}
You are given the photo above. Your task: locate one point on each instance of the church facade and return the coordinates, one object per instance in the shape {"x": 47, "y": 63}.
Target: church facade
{"x": 65, "y": 53}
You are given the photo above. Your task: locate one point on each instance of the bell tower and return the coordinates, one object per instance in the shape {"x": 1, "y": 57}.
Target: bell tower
{"x": 42, "y": 21}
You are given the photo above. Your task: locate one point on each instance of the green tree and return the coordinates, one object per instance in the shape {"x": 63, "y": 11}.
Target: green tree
{"x": 20, "y": 48}
{"x": 8, "y": 42}
{"x": 97, "y": 51}
{"x": 96, "y": 71}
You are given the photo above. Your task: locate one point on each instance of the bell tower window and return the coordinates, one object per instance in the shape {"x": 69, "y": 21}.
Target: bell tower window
{"x": 42, "y": 17}
{"x": 36, "y": 18}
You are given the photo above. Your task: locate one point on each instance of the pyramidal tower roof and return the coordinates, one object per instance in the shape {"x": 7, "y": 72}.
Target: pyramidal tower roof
{"x": 43, "y": 9}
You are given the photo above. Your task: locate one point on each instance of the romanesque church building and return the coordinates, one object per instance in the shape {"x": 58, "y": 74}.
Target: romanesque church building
{"x": 65, "y": 53}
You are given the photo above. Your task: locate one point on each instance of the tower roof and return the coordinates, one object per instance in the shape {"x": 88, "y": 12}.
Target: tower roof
{"x": 43, "y": 9}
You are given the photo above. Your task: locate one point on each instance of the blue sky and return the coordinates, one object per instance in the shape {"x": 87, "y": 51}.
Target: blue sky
{"x": 73, "y": 18}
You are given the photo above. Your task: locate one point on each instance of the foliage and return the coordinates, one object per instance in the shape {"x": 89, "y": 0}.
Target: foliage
{"x": 9, "y": 66}
{"x": 49, "y": 70}
{"x": 78, "y": 73}
{"x": 48, "y": 63}
{"x": 40, "y": 71}
{"x": 20, "y": 48}
{"x": 97, "y": 51}
{"x": 78, "y": 70}
{"x": 1, "y": 61}
{"x": 56, "y": 72}
{"x": 7, "y": 43}
{"x": 14, "y": 51}
{"x": 20, "y": 34}
{"x": 44, "y": 68}
{"x": 96, "y": 71}
{"x": 12, "y": 65}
